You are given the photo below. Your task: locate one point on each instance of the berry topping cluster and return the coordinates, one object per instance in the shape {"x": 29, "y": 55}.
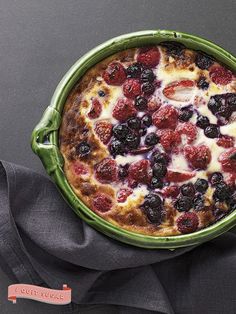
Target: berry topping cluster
{"x": 165, "y": 144}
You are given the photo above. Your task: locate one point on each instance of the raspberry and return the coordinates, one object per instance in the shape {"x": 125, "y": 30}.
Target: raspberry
{"x": 225, "y": 141}
{"x": 187, "y": 222}
{"x": 106, "y": 171}
{"x": 103, "y": 129}
{"x": 188, "y": 129}
{"x": 170, "y": 191}
{"x": 123, "y": 194}
{"x": 102, "y": 202}
{"x": 114, "y": 74}
{"x": 95, "y": 110}
{"x": 180, "y": 90}
{"x": 165, "y": 118}
{"x": 228, "y": 160}
{"x": 131, "y": 88}
{"x": 220, "y": 75}
{"x": 79, "y": 168}
{"x": 176, "y": 176}
{"x": 140, "y": 172}
{"x": 169, "y": 139}
{"x": 149, "y": 56}
{"x": 124, "y": 109}
{"x": 198, "y": 156}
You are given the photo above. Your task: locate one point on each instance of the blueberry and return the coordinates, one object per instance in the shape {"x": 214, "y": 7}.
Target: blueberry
{"x": 215, "y": 103}
{"x": 116, "y": 147}
{"x": 173, "y": 48}
{"x": 154, "y": 215}
{"x": 159, "y": 170}
{"x": 101, "y": 93}
{"x": 156, "y": 183}
{"x": 222, "y": 192}
{"x": 187, "y": 189}
{"x": 212, "y": 131}
{"x": 151, "y": 139}
{"x": 216, "y": 178}
{"x": 198, "y": 202}
{"x": 185, "y": 114}
{"x": 134, "y": 70}
{"x": 183, "y": 204}
{"x": 203, "y": 61}
{"x": 202, "y": 122}
{"x": 120, "y": 131}
{"x": 202, "y": 83}
{"x": 147, "y": 76}
{"x": 140, "y": 103}
{"x": 160, "y": 158}
{"x": 123, "y": 171}
{"x": 82, "y": 149}
{"x": 132, "y": 141}
{"x": 201, "y": 185}
{"x": 147, "y": 120}
{"x": 134, "y": 123}
{"x": 148, "y": 88}
{"x": 152, "y": 200}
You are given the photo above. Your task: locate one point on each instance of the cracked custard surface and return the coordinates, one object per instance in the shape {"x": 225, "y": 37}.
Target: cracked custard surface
{"x": 148, "y": 139}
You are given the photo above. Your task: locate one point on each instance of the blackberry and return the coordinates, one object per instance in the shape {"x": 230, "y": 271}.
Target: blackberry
{"x": 132, "y": 141}
{"x": 212, "y": 131}
{"x": 160, "y": 158}
{"x": 187, "y": 189}
{"x": 151, "y": 139}
{"x": 185, "y": 114}
{"x": 183, "y": 203}
{"x": 203, "y": 61}
{"x": 134, "y": 123}
{"x": 231, "y": 101}
{"x": 116, "y": 147}
{"x": 140, "y": 103}
{"x": 147, "y": 120}
{"x": 215, "y": 103}
{"x": 147, "y": 76}
{"x": 216, "y": 178}
{"x": 222, "y": 192}
{"x": 120, "y": 131}
{"x": 202, "y": 122}
{"x": 201, "y": 185}
{"x": 159, "y": 170}
{"x": 83, "y": 149}
{"x": 198, "y": 202}
{"x": 148, "y": 88}
{"x": 173, "y": 48}
{"x": 134, "y": 70}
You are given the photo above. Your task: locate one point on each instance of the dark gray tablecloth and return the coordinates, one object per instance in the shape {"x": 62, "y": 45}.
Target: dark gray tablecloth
{"x": 43, "y": 242}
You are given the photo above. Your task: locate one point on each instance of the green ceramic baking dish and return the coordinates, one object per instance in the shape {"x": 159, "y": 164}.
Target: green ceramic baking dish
{"x": 45, "y": 137}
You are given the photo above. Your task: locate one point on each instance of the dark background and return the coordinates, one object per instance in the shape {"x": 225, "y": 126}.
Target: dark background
{"x": 41, "y": 39}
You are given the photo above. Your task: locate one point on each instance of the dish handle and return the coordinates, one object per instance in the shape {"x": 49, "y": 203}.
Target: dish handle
{"x": 41, "y": 140}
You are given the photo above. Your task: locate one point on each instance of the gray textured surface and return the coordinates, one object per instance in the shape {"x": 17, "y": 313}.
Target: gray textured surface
{"x": 41, "y": 39}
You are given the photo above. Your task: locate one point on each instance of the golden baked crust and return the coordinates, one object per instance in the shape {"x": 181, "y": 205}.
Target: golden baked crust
{"x": 78, "y": 127}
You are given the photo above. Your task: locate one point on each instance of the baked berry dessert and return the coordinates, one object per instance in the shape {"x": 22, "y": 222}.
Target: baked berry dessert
{"x": 148, "y": 139}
